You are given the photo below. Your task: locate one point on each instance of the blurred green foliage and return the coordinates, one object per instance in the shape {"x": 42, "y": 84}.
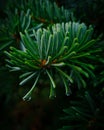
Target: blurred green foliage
{"x": 85, "y": 112}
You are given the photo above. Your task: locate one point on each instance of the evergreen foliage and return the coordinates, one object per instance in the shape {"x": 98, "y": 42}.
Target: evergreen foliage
{"x": 55, "y": 54}
{"x": 27, "y": 16}
{"x": 51, "y": 50}
{"x": 14, "y": 23}
{"x": 85, "y": 112}
{"x": 88, "y": 11}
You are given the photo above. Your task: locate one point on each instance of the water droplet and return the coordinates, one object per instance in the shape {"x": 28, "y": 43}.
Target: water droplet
{"x": 67, "y": 94}
{"x": 26, "y": 99}
{"x": 52, "y": 97}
